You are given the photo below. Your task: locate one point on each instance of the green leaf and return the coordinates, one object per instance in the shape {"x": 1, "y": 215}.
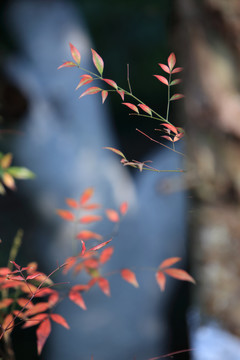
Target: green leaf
{"x": 20, "y": 173}
{"x": 98, "y": 61}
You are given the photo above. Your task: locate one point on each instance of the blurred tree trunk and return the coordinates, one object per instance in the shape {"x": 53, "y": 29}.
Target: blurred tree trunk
{"x": 208, "y": 42}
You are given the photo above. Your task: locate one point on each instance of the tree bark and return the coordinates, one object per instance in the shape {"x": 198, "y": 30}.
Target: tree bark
{"x": 208, "y": 38}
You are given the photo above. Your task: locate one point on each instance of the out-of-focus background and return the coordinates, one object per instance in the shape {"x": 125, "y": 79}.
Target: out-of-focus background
{"x": 60, "y": 138}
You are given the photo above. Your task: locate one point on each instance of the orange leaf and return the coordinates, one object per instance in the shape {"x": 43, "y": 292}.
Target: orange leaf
{"x": 111, "y": 83}
{"x": 67, "y": 64}
{"x": 91, "y": 206}
{"x": 38, "y": 308}
{"x": 66, "y": 215}
{"x": 8, "y": 181}
{"x": 60, "y": 320}
{"x": 35, "y": 320}
{"x": 129, "y": 276}
{"x": 5, "y": 303}
{"x": 42, "y": 333}
{"x": 8, "y": 324}
{"x": 124, "y": 208}
{"x": 161, "y": 279}
{"x": 168, "y": 262}
{"x": 162, "y": 79}
{"x": 104, "y": 285}
{"x": 83, "y": 248}
{"x": 75, "y": 54}
{"x": 104, "y": 95}
{"x": 106, "y": 254}
{"x": 179, "y": 274}
{"x": 6, "y": 160}
{"x": 121, "y": 93}
{"x": 86, "y": 79}
{"x": 86, "y": 235}
{"x": 89, "y": 219}
{"x": 132, "y": 107}
{"x": 90, "y": 91}
{"x": 112, "y": 215}
{"x": 171, "y": 128}
{"x": 98, "y": 61}
{"x": 115, "y": 151}
{"x": 69, "y": 264}
{"x": 72, "y": 203}
{"x": 97, "y": 247}
{"x": 145, "y": 108}
{"x": 86, "y": 195}
{"x": 25, "y": 303}
{"x": 77, "y": 299}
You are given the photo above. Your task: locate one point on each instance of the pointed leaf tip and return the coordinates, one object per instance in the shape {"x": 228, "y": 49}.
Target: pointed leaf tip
{"x": 75, "y": 54}
{"x": 171, "y": 61}
{"x": 129, "y": 276}
{"x": 98, "y": 62}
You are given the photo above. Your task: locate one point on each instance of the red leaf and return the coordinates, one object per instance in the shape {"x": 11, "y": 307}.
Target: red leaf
{"x": 80, "y": 287}
{"x": 8, "y": 323}
{"x": 69, "y": 264}
{"x": 111, "y": 83}
{"x": 115, "y": 151}
{"x": 16, "y": 265}
{"x": 167, "y": 137}
{"x": 106, "y": 254}
{"x": 91, "y": 206}
{"x": 132, "y": 107}
{"x": 171, "y": 61}
{"x": 162, "y": 79}
{"x": 67, "y": 64}
{"x": 97, "y": 247}
{"x": 98, "y": 61}
{"x": 91, "y": 263}
{"x": 170, "y": 127}
{"x": 145, "y": 108}
{"x": 165, "y": 68}
{"x": 5, "y": 303}
{"x": 124, "y": 208}
{"x": 4, "y": 271}
{"x": 38, "y": 308}
{"x": 112, "y": 215}
{"x": 104, "y": 285}
{"x": 30, "y": 277}
{"x": 161, "y": 279}
{"x": 75, "y": 54}
{"x": 129, "y": 276}
{"x": 43, "y": 332}
{"x": 83, "y": 248}
{"x": 176, "y": 70}
{"x": 104, "y": 95}
{"x": 66, "y": 215}
{"x": 35, "y": 320}
{"x": 179, "y": 274}
{"x": 176, "y": 97}
{"x": 89, "y": 219}
{"x": 168, "y": 262}
{"x": 72, "y": 203}
{"x": 121, "y": 93}
{"x": 60, "y": 320}
{"x": 17, "y": 278}
{"x": 86, "y": 79}
{"x": 86, "y": 195}
{"x": 86, "y": 235}
{"x": 77, "y": 299}
{"x": 90, "y": 91}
